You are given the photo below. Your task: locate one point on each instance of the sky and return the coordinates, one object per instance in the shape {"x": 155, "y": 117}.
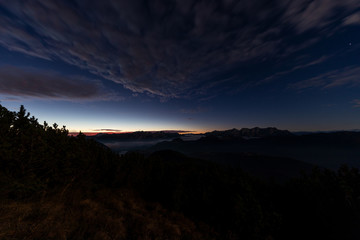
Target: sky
{"x": 131, "y": 65}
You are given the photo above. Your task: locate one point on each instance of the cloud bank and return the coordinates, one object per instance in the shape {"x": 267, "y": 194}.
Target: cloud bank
{"x": 349, "y": 76}
{"x": 107, "y": 130}
{"x": 168, "y": 48}
{"x": 27, "y": 82}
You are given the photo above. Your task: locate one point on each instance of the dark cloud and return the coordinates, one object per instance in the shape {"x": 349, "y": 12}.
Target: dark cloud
{"x": 169, "y": 48}
{"x": 107, "y": 130}
{"x": 194, "y": 110}
{"x": 354, "y": 19}
{"x": 9, "y": 99}
{"x": 26, "y": 82}
{"x": 347, "y": 76}
{"x": 306, "y": 15}
{"x": 356, "y": 103}
{"x": 295, "y": 68}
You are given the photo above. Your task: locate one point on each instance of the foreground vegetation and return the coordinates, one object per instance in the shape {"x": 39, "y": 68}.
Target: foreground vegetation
{"x": 54, "y": 186}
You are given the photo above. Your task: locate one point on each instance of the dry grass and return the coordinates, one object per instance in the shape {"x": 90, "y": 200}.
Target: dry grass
{"x": 103, "y": 215}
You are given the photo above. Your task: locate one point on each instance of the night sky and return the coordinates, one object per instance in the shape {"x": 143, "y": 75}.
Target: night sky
{"x": 132, "y": 65}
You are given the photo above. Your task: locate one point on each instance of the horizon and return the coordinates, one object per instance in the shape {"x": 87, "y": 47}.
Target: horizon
{"x": 197, "y": 66}
{"x": 181, "y": 132}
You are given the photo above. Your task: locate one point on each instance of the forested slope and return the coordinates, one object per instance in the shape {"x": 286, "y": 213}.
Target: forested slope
{"x": 54, "y": 186}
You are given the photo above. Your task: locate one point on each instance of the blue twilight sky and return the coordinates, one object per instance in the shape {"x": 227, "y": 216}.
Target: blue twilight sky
{"x": 183, "y": 64}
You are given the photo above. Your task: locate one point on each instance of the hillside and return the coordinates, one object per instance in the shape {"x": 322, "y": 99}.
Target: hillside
{"x": 329, "y": 150}
{"x": 54, "y": 186}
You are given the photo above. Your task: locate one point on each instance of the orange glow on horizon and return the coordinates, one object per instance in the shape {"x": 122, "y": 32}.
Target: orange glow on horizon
{"x": 75, "y": 133}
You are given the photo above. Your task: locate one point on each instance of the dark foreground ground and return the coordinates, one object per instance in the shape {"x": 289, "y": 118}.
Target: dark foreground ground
{"x": 58, "y": 187}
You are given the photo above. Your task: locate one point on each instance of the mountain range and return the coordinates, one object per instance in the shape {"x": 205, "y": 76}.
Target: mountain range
{"x": 330, "y": 149}
{"x": 248, "y": 133}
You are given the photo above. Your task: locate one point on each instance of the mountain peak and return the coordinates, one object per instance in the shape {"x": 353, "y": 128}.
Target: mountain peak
{"x": 255, "y": 132}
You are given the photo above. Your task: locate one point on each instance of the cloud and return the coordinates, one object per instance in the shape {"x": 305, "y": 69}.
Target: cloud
{"x": 342, "y": 77}
{"x": 10, "y": 99}
{"x": 293, "y": 69}
{"x": 356, "y": 103}
{"x": 167, "y": 48}
{"x": 353, "y": 19}
{"x": 107, "y": 130}
{"x": 27, "y": 82}
{"x": 194, "y": 110}
{"x": 306, "y": 15}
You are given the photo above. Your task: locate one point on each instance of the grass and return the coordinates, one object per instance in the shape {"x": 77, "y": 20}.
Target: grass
{"x": 104, "y": 214}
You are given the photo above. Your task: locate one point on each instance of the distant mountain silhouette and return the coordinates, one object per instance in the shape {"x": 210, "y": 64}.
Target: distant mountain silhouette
{"x": 223, "y": 135}
{"x": 324, "y": 149}
{"x": 327, "y": 149}
{"x": 248, "y": 133}
{"x": 139, "y": 135}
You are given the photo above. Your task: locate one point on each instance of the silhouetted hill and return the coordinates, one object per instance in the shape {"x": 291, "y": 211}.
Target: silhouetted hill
{"x": 344, "y": 138}
{"x": 55, "y": 186}
{"x": 222, "y": 152}
{"x": 279, "y": 168}
{"x": 140, "y": 135}
{"x": 324, "y": 149}
{"x": 232, "y": 202}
